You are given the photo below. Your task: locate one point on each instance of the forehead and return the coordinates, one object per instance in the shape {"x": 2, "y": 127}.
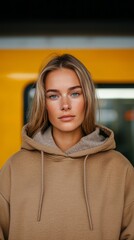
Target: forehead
{"x": 62, "y": 78}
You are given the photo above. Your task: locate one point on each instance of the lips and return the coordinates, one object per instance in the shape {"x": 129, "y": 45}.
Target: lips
{"x": 67, "y": 117}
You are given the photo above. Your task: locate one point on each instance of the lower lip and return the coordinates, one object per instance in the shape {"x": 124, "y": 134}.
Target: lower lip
{"x": 67, "y": 119}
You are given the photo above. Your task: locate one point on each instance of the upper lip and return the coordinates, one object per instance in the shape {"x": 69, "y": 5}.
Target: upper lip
{"x": 65, "y": 116}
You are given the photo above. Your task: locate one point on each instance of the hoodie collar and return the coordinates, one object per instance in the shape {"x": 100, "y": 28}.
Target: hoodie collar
{"x": 102, "y": 139}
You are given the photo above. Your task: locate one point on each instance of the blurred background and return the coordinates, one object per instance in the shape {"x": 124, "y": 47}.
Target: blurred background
{"x": 99, "y": 33}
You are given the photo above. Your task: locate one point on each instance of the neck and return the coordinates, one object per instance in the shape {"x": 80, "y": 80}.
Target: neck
{"x": 65, "y": 140}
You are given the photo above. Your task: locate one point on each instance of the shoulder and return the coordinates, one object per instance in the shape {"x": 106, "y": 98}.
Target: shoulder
{"x": 22, "y": 157}
{"x": 119, "y": 159}
{"x": 115, "y": 157}
{"x": 111, "y": 161}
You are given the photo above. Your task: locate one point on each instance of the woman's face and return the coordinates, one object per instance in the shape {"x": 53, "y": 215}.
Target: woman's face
{"x": 64, "y": 100}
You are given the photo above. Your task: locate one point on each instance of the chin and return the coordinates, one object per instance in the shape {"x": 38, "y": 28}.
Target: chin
{"x": 69, "y": 128}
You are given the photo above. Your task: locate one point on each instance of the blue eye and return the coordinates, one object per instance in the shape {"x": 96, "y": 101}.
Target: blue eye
{"x": 75, "y": 94}
{"x": 53, "y": 97}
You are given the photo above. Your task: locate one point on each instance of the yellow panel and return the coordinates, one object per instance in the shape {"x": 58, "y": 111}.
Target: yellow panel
{"x": 114, "y": 65}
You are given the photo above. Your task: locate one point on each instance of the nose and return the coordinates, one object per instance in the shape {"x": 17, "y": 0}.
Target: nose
{"x": 65, "y": 103}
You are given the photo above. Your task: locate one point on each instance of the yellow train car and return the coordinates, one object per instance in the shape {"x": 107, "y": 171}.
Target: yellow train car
{"x": 110, "y": 61}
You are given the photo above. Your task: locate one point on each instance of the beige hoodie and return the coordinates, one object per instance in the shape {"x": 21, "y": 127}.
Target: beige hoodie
{"x": 85, "y": 193}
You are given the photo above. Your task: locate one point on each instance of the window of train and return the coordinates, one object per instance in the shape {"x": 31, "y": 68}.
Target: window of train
{"x": 116, "y": 104}
{"x": 115, "y": 110}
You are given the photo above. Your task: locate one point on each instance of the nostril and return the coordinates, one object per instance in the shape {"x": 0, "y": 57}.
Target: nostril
{"x": 65, "y": 107}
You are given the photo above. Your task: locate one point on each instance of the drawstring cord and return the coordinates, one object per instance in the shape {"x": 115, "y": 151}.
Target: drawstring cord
{"x": 86, "y": 196}
{"x": 42, "y": 187}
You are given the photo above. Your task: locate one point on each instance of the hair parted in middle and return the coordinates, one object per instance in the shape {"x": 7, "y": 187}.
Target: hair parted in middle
{"x": 39, "y": 118}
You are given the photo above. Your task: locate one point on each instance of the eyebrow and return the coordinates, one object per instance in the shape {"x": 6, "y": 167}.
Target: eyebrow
{"x": 55, "y": 90}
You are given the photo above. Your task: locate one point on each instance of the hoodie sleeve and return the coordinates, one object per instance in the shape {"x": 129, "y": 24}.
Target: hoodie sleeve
{"x": 5, "y": 201}
{"x": 128, "y": 213}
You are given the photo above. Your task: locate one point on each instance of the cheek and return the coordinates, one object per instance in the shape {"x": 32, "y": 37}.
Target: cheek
{"x": 80, "y": 106}
{"x": 51, "y": 109}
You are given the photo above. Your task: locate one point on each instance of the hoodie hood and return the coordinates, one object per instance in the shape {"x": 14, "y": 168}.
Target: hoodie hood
{"x": 102, "y": 139}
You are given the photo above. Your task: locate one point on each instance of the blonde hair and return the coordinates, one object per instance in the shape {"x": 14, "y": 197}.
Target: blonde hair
{"x": 38, "y": 116}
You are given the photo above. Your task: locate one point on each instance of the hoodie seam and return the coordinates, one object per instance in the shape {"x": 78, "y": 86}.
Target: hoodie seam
{"x": 4, "y": 197}
{"x": 129, "y": 205}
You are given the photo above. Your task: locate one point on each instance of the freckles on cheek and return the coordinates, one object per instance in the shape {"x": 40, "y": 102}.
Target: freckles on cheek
{"x": 50, "y": 107}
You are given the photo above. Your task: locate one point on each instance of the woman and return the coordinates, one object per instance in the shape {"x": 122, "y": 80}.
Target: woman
{"x": 67, "y": 181}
